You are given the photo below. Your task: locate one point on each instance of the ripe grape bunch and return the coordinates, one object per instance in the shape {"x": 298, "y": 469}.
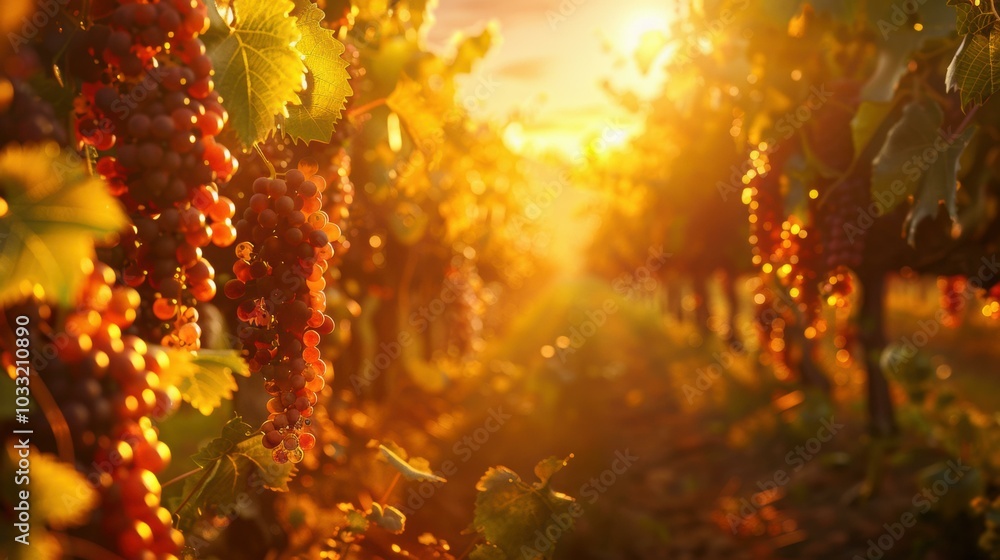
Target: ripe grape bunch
{"x": 148, "y": 94}
{"x": 843, "y": 239}
{"x": 107, "y": 388}
{"x": 283, "y": 252}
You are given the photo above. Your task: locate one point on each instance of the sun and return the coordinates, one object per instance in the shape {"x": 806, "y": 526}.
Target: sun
{"x": 639, "y": 23}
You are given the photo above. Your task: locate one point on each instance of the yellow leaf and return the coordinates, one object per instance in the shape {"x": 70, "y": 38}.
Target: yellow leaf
{"x": 51, "y": 213}
{"x": 205, "y": 378}
{"x": 324, "y": 99}
{"x": 258, "y": 69}
{"x": 63, "y": 497}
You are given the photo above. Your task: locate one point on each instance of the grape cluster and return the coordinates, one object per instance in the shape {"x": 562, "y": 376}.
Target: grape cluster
{"x": 953, "y": 299}
{"x": 27, "y": 118}
{"x": 148, "y": 93}
{"x": 107, "y": 388}
{"x": 764, "y": 202}
{"x": 991, "y": 308}
{"x": 283, "y": 254}
{"x": 843, "y": 236}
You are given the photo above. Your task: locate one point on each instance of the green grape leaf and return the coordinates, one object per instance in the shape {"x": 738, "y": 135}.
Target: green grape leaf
{"x": 547, "y": 468}
{"x": 918, "y": 160}
{"x": 234, "y": 432}
{"x": 411, "y": 471}
{"x": 975, "y": 70}
{"x": 274, "y": 476}
{"x": 939, "y": 186}
{"x": 970, "y": 18}
{"x": 215, "y": 486}
{"x": 867, "y": 122}
{"x": 205, "y": 378}
{"x": 51, "y": 214}
{"x": 328, "y": 88}
{"x": 387, "y": 517}
{"x": 356, "y": 521}
{"x": 236, "y": 462}
{"x": 510, "y": 513}
{"x": 258, "y": 69}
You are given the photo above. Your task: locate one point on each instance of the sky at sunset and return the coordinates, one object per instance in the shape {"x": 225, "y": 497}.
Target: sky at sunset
{"x": 551, "y": 60}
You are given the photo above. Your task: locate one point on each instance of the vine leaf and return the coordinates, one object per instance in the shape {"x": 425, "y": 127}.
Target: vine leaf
{"x": 274, "y": 476}
{"x": 547, "y": 468}
{"x": 66, "y": 498}
{"x": 387, "y": 517}
{"x": 204, "y": 379}
{"x": 972, "y": 18}
{"x": 510, "y": 513}
{"x": 51, "y": 214}
{"x": 216, "y": 486}
{"x": 918, "y": 160}
{"x": 258, "y": 69}
{"x": 867, "y": 122}
{"x": 328, "y": 88}
{"x": 471, "y": 49}
{"x": 975, "y": 70}
{"x": 940, "y": 185}
{"x": 414, "y": 469}
{"x": 232, "y": 464}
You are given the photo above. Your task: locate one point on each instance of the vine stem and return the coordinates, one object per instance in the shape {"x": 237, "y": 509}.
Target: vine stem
{"x": 180, "y": 477}
{"x": 53, "y": 414}
{"x": 468, "y": 549}
{"x": 366, "y": 107}
{"x": 965, "y": 122}
{"x": 385, "y": 495}
{"x": 197, "y": 486}
{"x": 270, "y": 168}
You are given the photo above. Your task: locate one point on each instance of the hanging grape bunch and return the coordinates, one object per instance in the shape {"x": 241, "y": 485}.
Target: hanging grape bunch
{"x": 148, "y": 95}
{"x": 108, "y": 389}
{"x": 843, "y": 238}
{"x": 283, "y": 251}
